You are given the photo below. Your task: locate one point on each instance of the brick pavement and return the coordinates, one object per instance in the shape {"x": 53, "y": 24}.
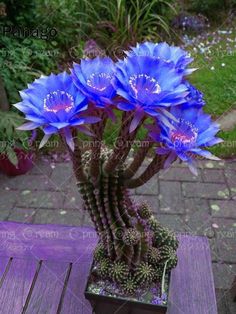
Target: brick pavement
{"x": 203, "y": 205}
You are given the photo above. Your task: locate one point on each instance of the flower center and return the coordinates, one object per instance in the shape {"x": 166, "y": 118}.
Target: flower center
{"x": 99, "y": 81}
{"x": 144, "y": 83}
{"x": 58, "y": 100}
{"x": 184, "y": 136}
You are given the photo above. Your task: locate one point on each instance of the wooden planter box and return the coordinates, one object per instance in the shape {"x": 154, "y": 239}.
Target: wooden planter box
{"x": 44, "y": 268}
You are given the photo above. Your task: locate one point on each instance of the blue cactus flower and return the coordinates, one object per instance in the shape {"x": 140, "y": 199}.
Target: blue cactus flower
{"x": 54, "y": 103}
{"x": 93, "y": 78}
{"x": 187, "y": 137}
{"x": 147, "y": 85}
{"x": 194, "y": 97}
{"x": 179, "y": 57}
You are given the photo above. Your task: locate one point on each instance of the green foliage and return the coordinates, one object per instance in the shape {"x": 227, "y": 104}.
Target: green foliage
{"x": 24, "y": 60}
{"x": 120, "y": 23}
{"x": 10, "y": 138}
{"x": 211, "y": 7}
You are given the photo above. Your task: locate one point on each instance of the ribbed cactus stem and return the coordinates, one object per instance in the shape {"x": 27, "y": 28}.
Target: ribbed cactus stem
{"x": 155, "y": 166}
{"x": 93, "y": 208}
{"x": 113, "y": 182}
{"x": 138, "y": 158}
{"x": 120, "y": 146}
{"x": 97, "y": 129}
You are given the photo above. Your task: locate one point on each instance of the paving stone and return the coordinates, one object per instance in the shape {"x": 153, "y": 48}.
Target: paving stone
{"x": 224, "y": 304}
{"x": 170, "y": 197}
{"x": 213, "y": 175}
{"x": 41, "y": 167}
{"x": 226, "y": 250}
{"x": 73, "y": 200}
{"x": 224, "y": 228}
{"x": 198, "y": 217}
{"x": 179, "y": 174}
{"x": 210, "y": 164}
{"x": 4, "y": 213}
{"x": 205, "y": 190}
{"x": 149, "y": 188}
{"x": 61, "y": 175}
{"x": 174, "y": 222}
{"x": 40, "y": 199}
{"x": 224, "y": 209}
{"x": 28, "y": 182}
{"x": 47, "y": 216}
{"x": 223, "y": 275}
{"x": 22, "y": 215}
{"x": 7, "y": 199}
{"x": 230, "y": 175}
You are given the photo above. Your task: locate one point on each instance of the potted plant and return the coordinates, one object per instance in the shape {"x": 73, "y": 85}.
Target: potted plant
{"x": 135, "y": 254}
{"x": 15, "y": 155}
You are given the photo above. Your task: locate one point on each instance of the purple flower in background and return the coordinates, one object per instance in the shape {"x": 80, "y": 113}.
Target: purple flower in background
{"x": 147, "y": 84}
{"x": 54, "y": 103}
{"x": 93, "y": 78}
{"x": 186, "y": 139}
{"x": 175, "y": 55}
{"x": 194, "y": 98}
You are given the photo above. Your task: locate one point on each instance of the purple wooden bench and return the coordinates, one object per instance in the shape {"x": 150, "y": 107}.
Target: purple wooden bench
{"x": 44, "y": 268}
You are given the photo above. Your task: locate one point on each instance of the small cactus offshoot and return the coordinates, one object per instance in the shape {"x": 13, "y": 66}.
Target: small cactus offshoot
{"x": 131, "y": 236}
{"x": 168, "y": 254}
{"x": 153, "y": 255}
{"x": 104, "y": 268}
{"x": 99, "y": 253}
{"x": 144, "y": 273}
{"x": 119, "y": 271}
{"x": 130, "y": 285}
{"x": 144, "y": 211}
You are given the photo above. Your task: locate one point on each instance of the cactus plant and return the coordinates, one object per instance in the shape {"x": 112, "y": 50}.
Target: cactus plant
{"x": 149, "y": 87}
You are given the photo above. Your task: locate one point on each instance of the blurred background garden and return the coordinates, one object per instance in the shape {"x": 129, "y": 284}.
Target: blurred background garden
{"x": 40, "y": 37}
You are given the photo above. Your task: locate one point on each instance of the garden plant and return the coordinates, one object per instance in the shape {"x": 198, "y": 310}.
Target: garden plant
{"x": 147, "y": 89}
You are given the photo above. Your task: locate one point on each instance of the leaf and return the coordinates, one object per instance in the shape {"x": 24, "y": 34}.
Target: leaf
{"x": 12, "y": 156}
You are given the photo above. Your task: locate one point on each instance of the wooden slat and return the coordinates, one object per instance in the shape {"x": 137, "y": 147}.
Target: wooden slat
{"x": 3, "y": 264}
{"x": 46, "y": 242}
{"x": 60, "y": 285}
{"x": 47, "y": 291}
{"x": 16, "y": 285}
{"x": 192, "y": 285}
{"x": 74, "y": 300}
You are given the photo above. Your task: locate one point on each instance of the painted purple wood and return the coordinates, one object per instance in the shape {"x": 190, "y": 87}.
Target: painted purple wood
{"x": 48, "y": 288}
{"x": 46, "y": 242}
{"x": 66, "y": 254}
{"x": 3, "y": 264}
{"x": 16, "y": 285}
{"x": 74, "y": 301}
{"x": 192, "y": 285}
